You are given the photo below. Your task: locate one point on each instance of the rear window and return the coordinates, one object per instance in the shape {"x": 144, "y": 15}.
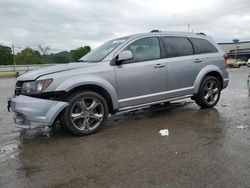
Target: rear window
{"x": 202, "y": 46}
{"x": 177, "y": 46}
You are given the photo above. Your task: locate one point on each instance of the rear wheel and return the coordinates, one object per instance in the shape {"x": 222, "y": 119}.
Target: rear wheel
{"x": 86, "y": 113}
{"x": 209, "y": 92}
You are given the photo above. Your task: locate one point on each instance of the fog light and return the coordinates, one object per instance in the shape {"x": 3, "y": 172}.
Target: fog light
{"x": 21, "y": 119}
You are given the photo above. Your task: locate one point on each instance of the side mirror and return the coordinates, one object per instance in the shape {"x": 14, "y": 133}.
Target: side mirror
{"x": 123, "y": 56}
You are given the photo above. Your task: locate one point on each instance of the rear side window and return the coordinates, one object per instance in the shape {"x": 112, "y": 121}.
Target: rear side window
{"x": 202, "y": 46}
{"x": 177, "y": 46}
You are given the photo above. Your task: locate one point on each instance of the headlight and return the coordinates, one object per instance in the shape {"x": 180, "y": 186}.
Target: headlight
{"x": 34, "y": 87}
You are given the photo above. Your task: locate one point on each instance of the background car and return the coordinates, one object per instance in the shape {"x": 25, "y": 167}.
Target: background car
{"x": 241, "y": 62}
{"x": 248, "y": 62}
{"x": 232, "y": 63}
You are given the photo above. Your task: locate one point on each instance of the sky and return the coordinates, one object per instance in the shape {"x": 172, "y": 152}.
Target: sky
{"x": 68, "y": 24}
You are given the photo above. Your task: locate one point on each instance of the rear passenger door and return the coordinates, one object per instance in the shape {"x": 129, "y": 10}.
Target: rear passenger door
{"x": 182, "y": 65}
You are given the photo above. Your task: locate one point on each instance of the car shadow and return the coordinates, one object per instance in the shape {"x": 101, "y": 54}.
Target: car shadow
{"x": 180, "y": 108}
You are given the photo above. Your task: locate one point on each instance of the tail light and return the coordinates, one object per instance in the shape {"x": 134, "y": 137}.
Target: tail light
{"x": 225, "y": 56}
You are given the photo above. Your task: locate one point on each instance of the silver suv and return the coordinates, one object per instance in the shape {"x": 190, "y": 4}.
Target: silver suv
{"x": 122, "y": 74}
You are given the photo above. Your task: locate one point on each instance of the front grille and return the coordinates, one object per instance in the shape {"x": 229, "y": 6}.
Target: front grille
{"x": 18, "y": 87}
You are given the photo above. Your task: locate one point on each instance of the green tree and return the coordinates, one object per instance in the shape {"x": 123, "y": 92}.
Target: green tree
{"x": 79, "y": 52}
{"x": 44, "y": 50}
{"x": 61, "y": 57}
{"x": 29, "y": 56}
{"x": 6, "y": 57}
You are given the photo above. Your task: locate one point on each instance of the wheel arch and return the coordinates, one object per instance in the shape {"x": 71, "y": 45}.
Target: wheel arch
{"x": 94, "y": 88}
{"x": 91, "y": 83}
{"x": 216, "y": 75}
{"x": 210, "y": 70}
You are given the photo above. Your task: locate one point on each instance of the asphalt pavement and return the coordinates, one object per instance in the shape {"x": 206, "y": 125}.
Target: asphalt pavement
{"x": 204, "y": 147}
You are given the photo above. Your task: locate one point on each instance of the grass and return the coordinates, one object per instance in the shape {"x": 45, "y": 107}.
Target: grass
{"x": 8, "y": 74}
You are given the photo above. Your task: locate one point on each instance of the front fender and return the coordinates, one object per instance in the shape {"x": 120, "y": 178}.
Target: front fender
{"x": 73, "y": 82}
{"x": 203, "y": 73}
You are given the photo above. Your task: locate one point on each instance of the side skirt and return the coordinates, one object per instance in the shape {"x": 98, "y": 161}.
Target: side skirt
{"x": 128, "y": 108}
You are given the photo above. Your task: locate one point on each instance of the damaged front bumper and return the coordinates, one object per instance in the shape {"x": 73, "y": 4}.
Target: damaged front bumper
{"x": 31, "y": 112}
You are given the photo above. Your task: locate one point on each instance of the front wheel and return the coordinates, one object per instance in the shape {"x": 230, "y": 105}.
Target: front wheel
{"x": 209, "y": 92}
{"x": 86, "y": 113}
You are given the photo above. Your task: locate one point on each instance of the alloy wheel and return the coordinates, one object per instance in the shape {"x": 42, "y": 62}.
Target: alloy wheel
{"x": 211, "y": 92}
{"x": 87, "y": 113}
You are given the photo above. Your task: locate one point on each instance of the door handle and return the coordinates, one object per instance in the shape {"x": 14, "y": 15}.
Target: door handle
{"x": 159, "y": 66}
{"x": 197, "y": 61}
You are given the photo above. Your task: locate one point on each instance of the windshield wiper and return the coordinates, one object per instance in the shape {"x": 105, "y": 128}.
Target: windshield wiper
{"x": 88, "y": 61}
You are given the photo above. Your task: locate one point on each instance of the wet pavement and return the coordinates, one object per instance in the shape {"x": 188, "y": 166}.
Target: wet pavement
{"x": 204, "y": 148}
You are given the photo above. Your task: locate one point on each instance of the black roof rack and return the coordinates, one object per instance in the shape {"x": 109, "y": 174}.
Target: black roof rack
{"x": 201, "y": 33}
{"x": 155, "y": 31}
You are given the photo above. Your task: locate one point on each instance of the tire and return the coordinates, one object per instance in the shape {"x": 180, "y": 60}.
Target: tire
{"x": 209, "y": 92}
{"x": 63, "y": 124}
{"x": 86, "y": 114}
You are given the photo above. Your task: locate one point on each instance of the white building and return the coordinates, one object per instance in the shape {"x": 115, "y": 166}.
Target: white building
{"x": 242, "y": 49}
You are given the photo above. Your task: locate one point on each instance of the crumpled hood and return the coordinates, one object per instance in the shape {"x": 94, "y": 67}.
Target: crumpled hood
{"x": 32, "y": 75}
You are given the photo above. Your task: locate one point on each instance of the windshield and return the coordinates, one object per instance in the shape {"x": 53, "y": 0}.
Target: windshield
{"x": 102, "y": 51}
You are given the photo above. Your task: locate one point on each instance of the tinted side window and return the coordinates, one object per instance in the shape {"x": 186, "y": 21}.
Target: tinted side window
{"x": 202, "y": 46}
{"x": 177, "y": 46}
{"x": 145, "y": 49}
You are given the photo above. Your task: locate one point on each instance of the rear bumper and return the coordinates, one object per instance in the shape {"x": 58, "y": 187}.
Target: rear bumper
{"x": 225, "y": 82}
{"x": 225, "y": 77}
{"x": 31, "y": 113}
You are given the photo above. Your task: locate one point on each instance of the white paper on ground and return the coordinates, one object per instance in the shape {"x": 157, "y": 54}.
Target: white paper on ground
{"x": 242, "y": 127}
{"x": 164, "y": 132}
{"x": 9, "y": 148}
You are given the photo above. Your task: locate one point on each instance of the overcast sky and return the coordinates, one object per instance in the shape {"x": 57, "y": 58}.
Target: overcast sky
{"x": 68, "y": 24}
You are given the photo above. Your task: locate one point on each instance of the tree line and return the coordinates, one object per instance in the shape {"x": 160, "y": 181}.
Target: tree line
{"x": 41, "y": 56}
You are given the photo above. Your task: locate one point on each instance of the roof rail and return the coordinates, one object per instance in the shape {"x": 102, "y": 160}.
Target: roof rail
{"x": 201, "y": 33}
{"x": 155, "y": 31}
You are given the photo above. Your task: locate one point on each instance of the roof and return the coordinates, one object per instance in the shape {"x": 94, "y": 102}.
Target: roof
{"x": 177, "y": 33}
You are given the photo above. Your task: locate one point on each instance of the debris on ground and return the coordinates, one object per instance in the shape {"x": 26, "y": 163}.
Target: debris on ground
{"x": 9, "y": 148}
{"x": 242, "y": 127}
{"x": 164, "y": 132}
